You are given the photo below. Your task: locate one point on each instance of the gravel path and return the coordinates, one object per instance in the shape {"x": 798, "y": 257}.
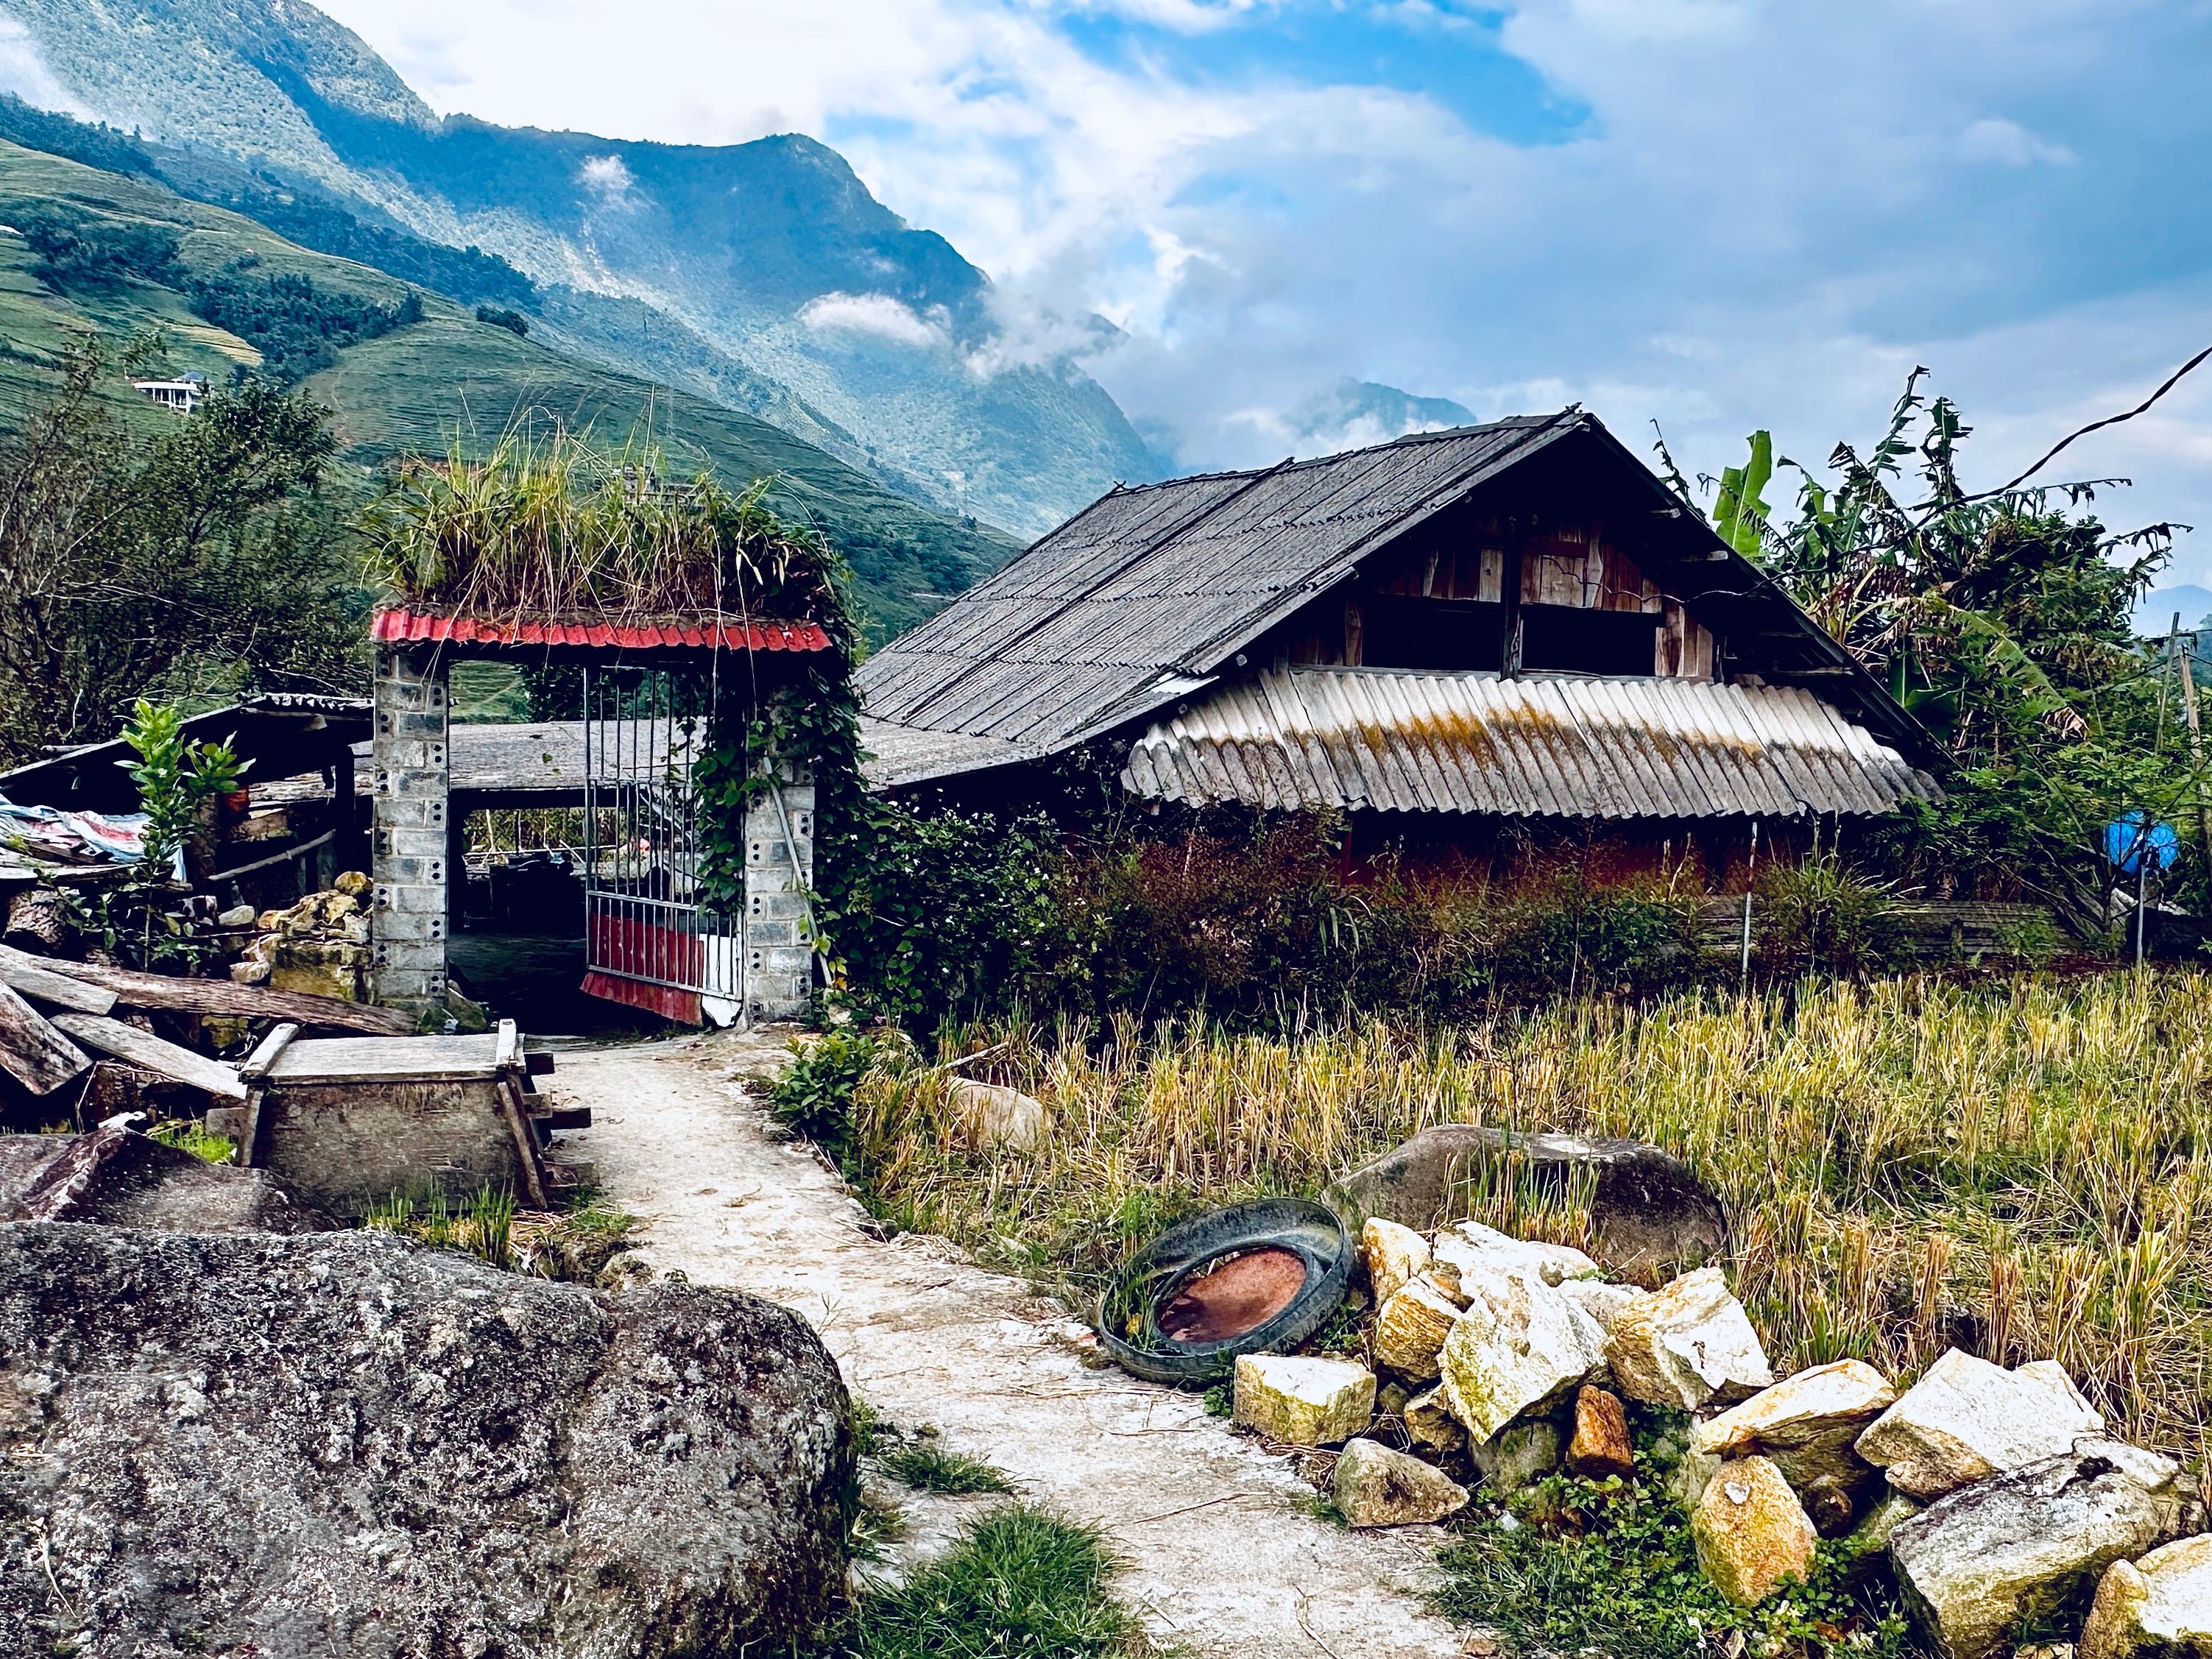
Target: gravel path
{"x": 1220, "y": 1558}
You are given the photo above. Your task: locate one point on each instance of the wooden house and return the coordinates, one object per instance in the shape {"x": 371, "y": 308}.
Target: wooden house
{"x": 1463, "y": 641}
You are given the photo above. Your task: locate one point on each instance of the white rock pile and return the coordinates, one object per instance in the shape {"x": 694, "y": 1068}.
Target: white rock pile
{"x": 1997, "y": 1494}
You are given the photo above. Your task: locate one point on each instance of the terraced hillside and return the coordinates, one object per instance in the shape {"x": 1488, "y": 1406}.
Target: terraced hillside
{"x": 416, "y": 388}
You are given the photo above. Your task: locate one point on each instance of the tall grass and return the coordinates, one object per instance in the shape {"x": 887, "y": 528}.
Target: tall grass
{"x": 2023, "y": 1169}
{"x": 554, "y": 526}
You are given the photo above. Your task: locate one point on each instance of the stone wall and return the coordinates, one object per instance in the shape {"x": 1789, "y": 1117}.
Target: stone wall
{"x": 412, "y": 780}
{"x": 779, "y": 871}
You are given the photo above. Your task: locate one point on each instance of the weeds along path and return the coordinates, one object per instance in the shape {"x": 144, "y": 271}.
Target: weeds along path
{"x": 1221, "y": 1558}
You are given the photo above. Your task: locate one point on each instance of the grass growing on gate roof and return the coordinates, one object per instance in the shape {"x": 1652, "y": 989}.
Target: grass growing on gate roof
{"x": 553, "y": 525}
{"x": 2022, "y": 1170}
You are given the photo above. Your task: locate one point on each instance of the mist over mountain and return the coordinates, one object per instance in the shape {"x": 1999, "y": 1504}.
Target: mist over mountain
{"x": 762, "y": 276}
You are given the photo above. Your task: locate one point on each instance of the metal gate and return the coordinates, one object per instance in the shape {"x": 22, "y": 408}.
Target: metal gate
{"x": 650, "y": 938}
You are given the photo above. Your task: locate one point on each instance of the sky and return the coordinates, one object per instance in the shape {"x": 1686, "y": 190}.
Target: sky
{"x": 1714, "y": 215}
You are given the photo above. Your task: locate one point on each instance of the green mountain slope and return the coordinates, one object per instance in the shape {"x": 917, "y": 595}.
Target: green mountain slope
{"x": 775, "y": 269}
{"x": 413, "y": 388}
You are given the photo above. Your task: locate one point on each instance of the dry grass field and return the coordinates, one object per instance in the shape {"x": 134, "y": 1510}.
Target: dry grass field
{"x": 2022, "y": 1168}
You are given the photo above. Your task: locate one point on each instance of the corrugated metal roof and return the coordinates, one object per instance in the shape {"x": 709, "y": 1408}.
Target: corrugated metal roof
{"x": 396, "y": 624}
{"x": 1539, "y": 746}
{"x": 1151, "y": 584}
{"x": 899, "y": 755}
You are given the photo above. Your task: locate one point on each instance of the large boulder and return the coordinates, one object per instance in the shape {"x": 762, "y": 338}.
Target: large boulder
{"x": 350, "y": 1444}
{"x": 1967, "y": 1419}
{"x": 1687, "y": 1346}
{"x": 1650, "y": 1217}
{"x": 1808, "y": 1424}
{"x": 1752, "y": 1534}
{"x": 2158, "y": 1607}
{"x": 1977, "y": 1565}
{"x": 1519, "y": 1346}
{"x": 117, "y": 1176}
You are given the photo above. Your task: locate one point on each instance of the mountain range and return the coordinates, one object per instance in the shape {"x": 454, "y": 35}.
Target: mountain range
{"x": 753, "y": 304}
{"x": 762, "y": 276}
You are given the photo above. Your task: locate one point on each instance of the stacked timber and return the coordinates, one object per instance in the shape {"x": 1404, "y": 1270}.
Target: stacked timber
{"x": 73, "y": 1030}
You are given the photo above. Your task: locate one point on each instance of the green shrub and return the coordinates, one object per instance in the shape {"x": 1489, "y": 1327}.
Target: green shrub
{"x": 946, "y": 913}
{"x": 1820, "y": 917}
{"x": 813, "y": 1095}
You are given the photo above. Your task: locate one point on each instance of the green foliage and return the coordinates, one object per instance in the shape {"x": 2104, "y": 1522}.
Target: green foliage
{"x": 813, "y": 1095}
{"x": 193, "y": 564}
{"x": 297, "y": 326}
{"x": 482, "y": 1225}
{"x": 1820, "y": 916}
{"x": 927, "y": 1467}
{"x": 1019, "y": 1583}
{"x": 1740, "y": 511}
{"x": 2001, "y": 623}
{"x": 1609, "y": 1566}
{"x": 109, "y": 149}
{"x": 513, "y": 321}
{"x": 174, "y": 775}
{"x": 944, "y": 913}
{"x": 315, "y": 221}
{"x": 558, "y": 527}
{"x": 189, "y": 1135}
{"x": 77, "y": 249}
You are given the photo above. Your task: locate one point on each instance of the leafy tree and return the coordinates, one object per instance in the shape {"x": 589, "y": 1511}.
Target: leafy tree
{"x": 203, "y": 561}
{"x": 2001, "y": 620}
{"x": 77, "y": 249}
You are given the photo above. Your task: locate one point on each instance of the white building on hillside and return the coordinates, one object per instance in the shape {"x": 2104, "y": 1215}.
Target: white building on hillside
{"x": 182, "y": 394}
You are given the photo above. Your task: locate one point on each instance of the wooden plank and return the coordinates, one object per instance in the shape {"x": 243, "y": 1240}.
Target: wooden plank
{"x": 149, "y": 1052}
{"x": 526, "y": 1141}
{"x": 57, "y": 990}
{"x": 31, "y": 1051}
{"x": 265, "y": 1053}
{"x": 222, "y": 996}
{"x": 387, "y": 1060}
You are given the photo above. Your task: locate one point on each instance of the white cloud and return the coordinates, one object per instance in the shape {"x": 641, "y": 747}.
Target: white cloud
{"x": 23, "y": 71}
{"x": 1764, "y": 219}
{"x": 882, "y": 316}
{"x": 2009, "y": 144}
{"x": 608, "y": 178}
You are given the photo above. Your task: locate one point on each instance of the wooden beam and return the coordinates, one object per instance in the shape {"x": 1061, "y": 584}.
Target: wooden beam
{"x": 31, "y": 1051}
{"x": 57, "y": 990}
{"x": 259, "y": 1063}
{"x": 222, "y": 996}
{"x": 1509, "y": 596}
{"x": 152, "y": 1053}
{"x": 525, "y": 1140}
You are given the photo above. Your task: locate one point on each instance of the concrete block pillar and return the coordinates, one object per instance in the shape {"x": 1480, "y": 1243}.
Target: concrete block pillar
{"x": 410, "y": 808}
{"x": 779, "y": 876}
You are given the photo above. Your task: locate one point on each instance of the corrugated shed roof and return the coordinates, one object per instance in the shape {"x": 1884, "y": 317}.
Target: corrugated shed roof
{"x": 397, "y": 624}
{"x": 899, "y": 755}
{"x": 1162, "y": 580}
{"x": 1539, "y": 746}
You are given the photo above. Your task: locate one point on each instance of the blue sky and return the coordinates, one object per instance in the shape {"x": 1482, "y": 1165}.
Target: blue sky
{"x": 1715, "y": 213}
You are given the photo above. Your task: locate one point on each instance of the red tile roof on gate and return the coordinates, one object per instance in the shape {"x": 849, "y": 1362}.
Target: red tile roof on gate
{"x": 399, "y": 625}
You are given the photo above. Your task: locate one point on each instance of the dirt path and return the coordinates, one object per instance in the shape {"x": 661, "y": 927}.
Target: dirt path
{"x": 1220, "y": 1558}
